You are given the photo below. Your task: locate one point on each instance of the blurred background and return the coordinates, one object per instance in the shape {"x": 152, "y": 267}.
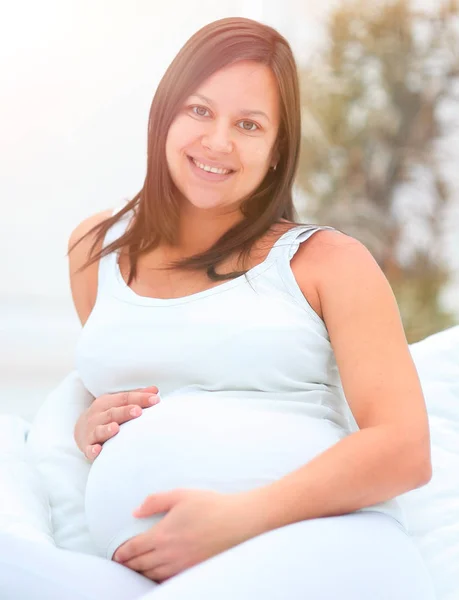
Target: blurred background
{"x": 379, "y": 159}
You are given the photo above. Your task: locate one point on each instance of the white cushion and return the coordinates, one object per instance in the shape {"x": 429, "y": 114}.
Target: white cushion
{"x": 24, "y": 502}
{"x": 63, "y": 466}
{"x": 433, "y": 510}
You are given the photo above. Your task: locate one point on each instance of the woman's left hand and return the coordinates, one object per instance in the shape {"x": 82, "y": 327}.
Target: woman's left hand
{"x": 198, "y": 525}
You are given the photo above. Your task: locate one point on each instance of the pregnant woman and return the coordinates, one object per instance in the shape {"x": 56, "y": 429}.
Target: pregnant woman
{"x": 290, "y": 414}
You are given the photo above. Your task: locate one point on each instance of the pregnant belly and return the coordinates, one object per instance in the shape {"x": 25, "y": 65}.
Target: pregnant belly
{"x": 195, "y": 443}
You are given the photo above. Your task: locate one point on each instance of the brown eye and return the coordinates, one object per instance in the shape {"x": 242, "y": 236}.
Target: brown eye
{"x": 197, "y": 109}
{"x": 249, "y": 123}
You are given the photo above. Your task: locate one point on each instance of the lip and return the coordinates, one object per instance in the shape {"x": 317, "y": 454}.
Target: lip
{"x": 205, "y": 175}
{"x": 211, "y": 163}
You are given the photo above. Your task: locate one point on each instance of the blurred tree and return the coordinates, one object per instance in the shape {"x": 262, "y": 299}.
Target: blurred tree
{"x": 371, "y": 121}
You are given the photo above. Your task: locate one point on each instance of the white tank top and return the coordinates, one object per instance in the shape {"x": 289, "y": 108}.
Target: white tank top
{"x": 249, "y": 386}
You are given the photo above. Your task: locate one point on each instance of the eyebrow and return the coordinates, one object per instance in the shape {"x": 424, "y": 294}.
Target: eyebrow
{"x": 244, "y": 111}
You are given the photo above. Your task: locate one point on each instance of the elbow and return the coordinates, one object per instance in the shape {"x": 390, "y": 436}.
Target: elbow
{"x": 425, "y": 474}
{"x": 417, "y": 477}
{"x": 419, "y": 459}
{"x": 420, "y": 468}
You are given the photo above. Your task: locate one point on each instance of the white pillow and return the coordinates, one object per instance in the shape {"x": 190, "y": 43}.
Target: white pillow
{"x": 64, "y": 468}
{"x": 24, "y": 502}
{"x": 433, "y": 510}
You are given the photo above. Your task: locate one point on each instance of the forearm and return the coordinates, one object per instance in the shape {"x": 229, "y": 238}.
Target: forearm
{"x": 366, "y": 467}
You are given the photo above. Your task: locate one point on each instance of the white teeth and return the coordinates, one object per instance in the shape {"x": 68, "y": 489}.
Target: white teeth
{"x": 210, "y": 169}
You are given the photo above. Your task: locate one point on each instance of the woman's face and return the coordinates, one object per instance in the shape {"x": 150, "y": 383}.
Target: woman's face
{"x": 221, "y": 125}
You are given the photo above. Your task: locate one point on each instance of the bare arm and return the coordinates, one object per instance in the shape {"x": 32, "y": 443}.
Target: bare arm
{"x": 390, "y": 454}
{"x": 103, "y": 418}
{"x": 83, "y": 285}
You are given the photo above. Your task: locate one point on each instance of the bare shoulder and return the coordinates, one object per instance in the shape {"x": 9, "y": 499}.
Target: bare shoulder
{"x": 326, "y": 252}
{"x": 83, "y": 284}
{"x": 351, "y": 285}
{"x": 315, "y": 262}
{"x": 366, "y": 333}
{"x": 339, "y": 260}
{"x": 86, "y": 225}
{"x": 326, "y": 243}
{"x": 356, "y": 299}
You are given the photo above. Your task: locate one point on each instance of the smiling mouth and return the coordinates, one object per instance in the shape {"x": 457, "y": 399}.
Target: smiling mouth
{"x": 194, "y": 163}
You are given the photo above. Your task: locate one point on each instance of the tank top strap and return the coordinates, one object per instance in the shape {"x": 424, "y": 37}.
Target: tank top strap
{"x": 108, "y": 265}
{"x": 288, "y": 243}
{"x": 282, "y": 252}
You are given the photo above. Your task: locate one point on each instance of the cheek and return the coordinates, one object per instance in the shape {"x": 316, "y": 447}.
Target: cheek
{"x": 255, "y": 157}
{"x": 181, "y": 134}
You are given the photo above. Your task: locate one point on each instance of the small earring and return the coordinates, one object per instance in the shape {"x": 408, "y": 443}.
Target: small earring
{"x": 274, "y": 168}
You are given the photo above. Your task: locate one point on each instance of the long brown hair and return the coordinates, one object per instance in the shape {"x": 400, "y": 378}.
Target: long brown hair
{"x": 156, "y": 208}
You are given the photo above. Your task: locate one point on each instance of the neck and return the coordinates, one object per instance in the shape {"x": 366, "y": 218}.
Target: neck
{"x": 199, "y": 230}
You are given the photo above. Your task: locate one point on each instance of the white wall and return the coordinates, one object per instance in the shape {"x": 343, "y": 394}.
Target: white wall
{"x": 78, "y": 78}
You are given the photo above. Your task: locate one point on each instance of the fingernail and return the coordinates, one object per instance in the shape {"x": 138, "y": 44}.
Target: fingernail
{"x": 153, "y": 399}
{"x": 134, "y": 412}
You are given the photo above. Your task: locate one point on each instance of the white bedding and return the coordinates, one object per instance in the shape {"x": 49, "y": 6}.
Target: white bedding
{"x": 24, "y": 501}
{"x": 43, "y": 474}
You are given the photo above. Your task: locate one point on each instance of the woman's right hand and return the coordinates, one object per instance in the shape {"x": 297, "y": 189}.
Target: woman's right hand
{"x": 103, "y": 418}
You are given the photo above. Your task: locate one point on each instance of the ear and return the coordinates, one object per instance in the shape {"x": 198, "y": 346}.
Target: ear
{"x": 275, "y": 157}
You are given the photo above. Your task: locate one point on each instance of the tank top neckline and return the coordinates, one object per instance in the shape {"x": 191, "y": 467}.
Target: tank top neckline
{"x": 127, "y": 294}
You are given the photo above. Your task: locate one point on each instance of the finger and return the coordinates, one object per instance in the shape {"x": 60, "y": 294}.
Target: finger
{"x": 161, "y": 573}
{"x": 135, "y": 546}
{"x": 158, "y": 503}
{"x": 93, "y": 451}
{"x": 121, "y": 414}
{"x": 108, "y": 401}
{"x": 152, "y": 388}
{"x": 143, "y": 562}
{"x": 110, "y": 420}
{"x": 102, "y": 433}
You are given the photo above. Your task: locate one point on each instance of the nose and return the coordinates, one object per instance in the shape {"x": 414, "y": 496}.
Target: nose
{"x": 218, "y": 139}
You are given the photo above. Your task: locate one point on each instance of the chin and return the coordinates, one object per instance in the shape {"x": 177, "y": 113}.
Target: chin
{"x": 210, "y": 205}
{"x": 197, "y": 199}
